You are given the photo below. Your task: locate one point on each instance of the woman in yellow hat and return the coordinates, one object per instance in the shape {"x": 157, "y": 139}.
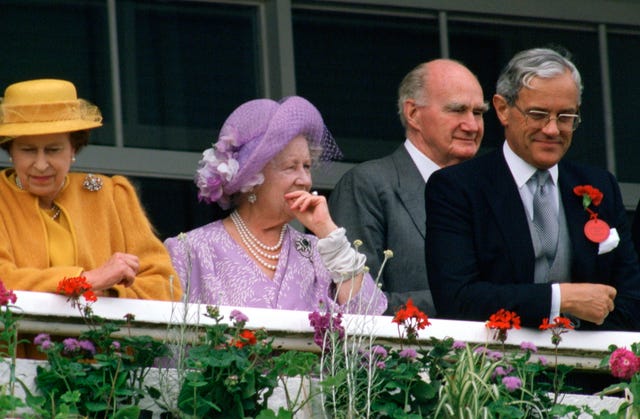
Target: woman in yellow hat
{"x": 56, "y": 224}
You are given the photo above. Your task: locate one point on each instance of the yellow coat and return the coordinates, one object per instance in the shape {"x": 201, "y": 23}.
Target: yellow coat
{"x": 102, "y": 222}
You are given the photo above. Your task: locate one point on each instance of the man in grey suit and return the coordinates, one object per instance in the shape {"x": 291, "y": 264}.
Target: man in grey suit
{"x": 381, "y": 202}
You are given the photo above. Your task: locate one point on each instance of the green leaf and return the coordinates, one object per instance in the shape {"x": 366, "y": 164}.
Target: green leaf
{"x": 153, "y": 392}
{"x": 424, "y": 391}
{"x": 269, "y": 414}
{"x": 72, "y": 397}
{"x": 129, "y": 412}
{"x": 96, "y": 407}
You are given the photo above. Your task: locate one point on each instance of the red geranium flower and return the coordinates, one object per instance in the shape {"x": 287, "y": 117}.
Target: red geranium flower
{"x": 559, "y": 326}
{"x": 412, "y": 318}
{"x": 76, "y": 287}
{"x": 247, "y": 337}
{"x": 561, "y": 322}
{"x": 502, "y": 321}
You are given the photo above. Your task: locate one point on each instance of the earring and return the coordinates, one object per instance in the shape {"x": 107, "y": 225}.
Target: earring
{"x": 11, "y": 159}
{"x": 73, "y": 159}
{"x": 252, "y": 198}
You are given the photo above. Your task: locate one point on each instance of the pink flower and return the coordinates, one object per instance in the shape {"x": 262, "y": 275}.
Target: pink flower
{"x": 325, "y": 325}
{"x": 623, "y": 363}
{"x": 528, "y": 346}
{"x": 511, "y": 383}
{"x": 408, "y": 353}
{"x": 6, "y": 296}
{"x": 70, "y": 345}
{"x": 43, "y": 341}
{"x": 379, "y": 351}
{"x": 458, "y": 344}
{"x": 502, "y": 371}
{"x": 87, "y": 346}
{"x": 238, "y": 316}
{"x": 41, "y": 338}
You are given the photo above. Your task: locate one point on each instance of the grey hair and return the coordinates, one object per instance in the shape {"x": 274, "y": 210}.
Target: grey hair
{"x": 412, "y": 87}
{"x": 536, "y": 62}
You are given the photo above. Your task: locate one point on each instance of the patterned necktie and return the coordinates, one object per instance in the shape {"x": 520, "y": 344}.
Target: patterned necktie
{"x": 545, "y": 218}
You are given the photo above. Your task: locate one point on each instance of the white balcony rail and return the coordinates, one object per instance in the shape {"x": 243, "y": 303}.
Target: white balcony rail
{"x": 51, "y": 313}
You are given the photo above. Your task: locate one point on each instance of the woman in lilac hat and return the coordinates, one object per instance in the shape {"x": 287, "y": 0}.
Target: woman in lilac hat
{"x": 260, "y": 169}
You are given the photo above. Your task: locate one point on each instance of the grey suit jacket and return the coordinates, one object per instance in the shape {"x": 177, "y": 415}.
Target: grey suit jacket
{"x": 381, "y": 202}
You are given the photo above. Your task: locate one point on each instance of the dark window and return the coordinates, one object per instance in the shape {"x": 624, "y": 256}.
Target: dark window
{"x": 185, "y": 66}
{"x": 172, "y": 205}
{"x": 65, "y": 40}
{"x": 350, "y": 66}
{"x": 624, "y": 62}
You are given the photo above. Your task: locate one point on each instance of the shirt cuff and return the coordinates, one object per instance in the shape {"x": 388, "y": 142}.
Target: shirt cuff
{"x": 555, "y": 302}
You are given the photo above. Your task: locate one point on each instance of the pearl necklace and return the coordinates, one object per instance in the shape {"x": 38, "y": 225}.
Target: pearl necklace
{"x": 257, "y": 249}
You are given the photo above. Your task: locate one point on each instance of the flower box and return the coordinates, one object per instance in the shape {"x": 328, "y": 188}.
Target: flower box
{"x": 177, "y": 323}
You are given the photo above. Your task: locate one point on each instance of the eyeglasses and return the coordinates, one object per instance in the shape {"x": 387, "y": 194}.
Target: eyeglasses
{"x": 539, "y": 119}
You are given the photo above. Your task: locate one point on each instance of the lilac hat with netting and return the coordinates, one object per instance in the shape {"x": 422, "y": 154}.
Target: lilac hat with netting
{"x": 252, "y": 136}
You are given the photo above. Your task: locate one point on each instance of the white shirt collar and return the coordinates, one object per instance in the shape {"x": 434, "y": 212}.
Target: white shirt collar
{"x": 425, "y": 165}
{"x": 521, "y": 170}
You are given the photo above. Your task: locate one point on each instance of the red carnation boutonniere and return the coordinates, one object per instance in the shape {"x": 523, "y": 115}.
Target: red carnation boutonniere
{"x": 595, "y": 229}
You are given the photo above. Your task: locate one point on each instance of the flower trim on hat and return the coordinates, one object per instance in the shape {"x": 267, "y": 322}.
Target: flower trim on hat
{"x": 217, "y": 168}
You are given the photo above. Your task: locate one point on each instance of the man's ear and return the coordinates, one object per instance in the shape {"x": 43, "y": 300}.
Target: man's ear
{"x": 411, "y": 110}
{"x": 502, "y": 109}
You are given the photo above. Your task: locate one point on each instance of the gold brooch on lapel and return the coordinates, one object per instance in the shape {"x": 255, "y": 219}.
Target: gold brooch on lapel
{"x": 92, "y": 183}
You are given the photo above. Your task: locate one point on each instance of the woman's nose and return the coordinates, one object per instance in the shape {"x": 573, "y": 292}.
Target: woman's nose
{"x": 304, "y": 178}
{"x": 41, "y": 162}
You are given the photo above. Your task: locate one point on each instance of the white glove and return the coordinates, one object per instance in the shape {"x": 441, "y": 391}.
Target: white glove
{"x": 340, "y": 259}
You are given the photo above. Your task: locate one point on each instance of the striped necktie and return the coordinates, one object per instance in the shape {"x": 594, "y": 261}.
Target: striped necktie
{"x": 545, "y": 218}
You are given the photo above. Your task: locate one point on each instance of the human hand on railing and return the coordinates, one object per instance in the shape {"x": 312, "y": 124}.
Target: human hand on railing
{"x": 120, "y": 269}
{"x": 586, "y": 301}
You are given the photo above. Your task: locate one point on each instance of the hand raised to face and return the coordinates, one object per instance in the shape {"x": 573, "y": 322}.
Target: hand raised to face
{"x": 312, "y": 211}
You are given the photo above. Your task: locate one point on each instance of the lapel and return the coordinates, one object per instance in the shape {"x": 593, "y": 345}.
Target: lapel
{"x": 501, "y": 193}
{"x": 410, "y": 188}
{"x": 583, "y": 251}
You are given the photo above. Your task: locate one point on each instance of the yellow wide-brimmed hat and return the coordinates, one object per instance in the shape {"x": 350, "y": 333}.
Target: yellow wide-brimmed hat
{"x": 44, "y": 106}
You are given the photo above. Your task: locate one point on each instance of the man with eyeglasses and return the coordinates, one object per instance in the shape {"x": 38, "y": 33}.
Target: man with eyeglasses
{"x": 521, "y": 228}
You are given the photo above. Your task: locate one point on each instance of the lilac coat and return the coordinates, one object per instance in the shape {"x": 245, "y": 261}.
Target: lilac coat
{"x": 214, "y": 269}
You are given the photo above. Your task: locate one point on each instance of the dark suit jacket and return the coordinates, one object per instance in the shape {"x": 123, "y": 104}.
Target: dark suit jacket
{"x": 479, "y": 252}
{"x": 381, "y": 202}
{"x": 635, "y": 229}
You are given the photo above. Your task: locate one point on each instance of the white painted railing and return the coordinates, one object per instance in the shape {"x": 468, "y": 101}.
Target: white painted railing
{"x": 50, "y": 313}
{"x": 291, "y": 329}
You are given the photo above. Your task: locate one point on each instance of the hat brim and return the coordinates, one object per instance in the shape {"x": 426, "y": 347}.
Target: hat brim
{"x": 9, "y": 131}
